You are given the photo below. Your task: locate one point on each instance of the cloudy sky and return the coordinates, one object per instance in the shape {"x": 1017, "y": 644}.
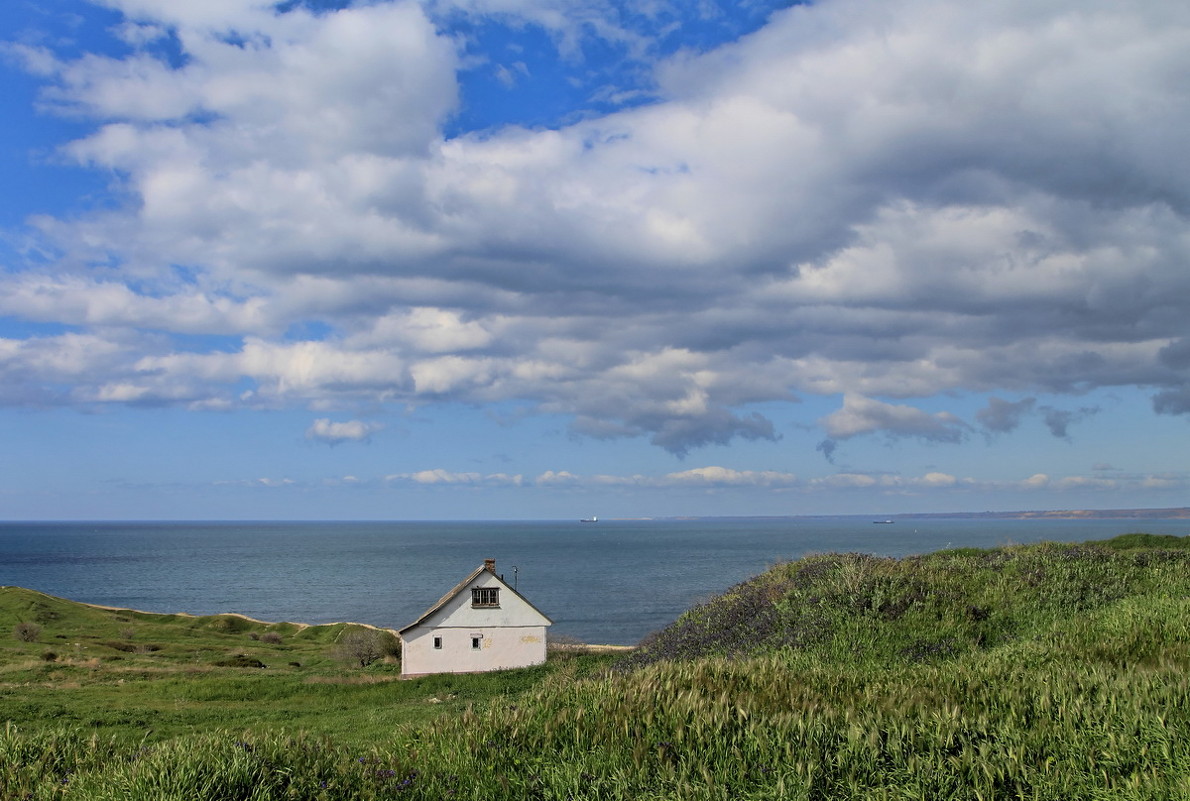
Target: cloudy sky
{"x": 553, "y": 258}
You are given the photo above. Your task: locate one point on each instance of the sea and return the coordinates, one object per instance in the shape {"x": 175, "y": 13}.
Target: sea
{"x": 611, "y": 581}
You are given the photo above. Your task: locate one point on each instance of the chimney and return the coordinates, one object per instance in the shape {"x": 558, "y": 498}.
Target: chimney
{"x": 489, "y": 565}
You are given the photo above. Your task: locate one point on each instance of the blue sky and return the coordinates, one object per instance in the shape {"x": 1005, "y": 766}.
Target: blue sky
{"x": 473, "y": 259}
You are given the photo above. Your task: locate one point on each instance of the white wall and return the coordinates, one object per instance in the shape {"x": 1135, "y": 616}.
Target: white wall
{"x": 513, "y": 610}
{"x": 500, "y": 648}
{"x": 512, "y": 635}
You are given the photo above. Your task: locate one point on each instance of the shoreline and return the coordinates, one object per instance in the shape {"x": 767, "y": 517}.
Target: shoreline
{"x": 299, "y": 626}
{"x": 592, "y": 648}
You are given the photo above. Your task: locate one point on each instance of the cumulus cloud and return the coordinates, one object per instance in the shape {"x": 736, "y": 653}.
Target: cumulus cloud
{"x": 721, "y": 480}
{"x": 945, "y": 213}
{"x": 723, "y": 476}
{"x": 325, "y": 430}
{"x": 439, "y": 476}
{"x": 560, "y": 477}
{"x": 861, "y": 415}
{"x": 274, "y": 482}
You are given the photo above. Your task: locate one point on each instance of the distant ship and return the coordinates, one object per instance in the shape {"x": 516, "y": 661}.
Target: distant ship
{"x": 882, "y": 522}
{"x": 591, "y": 519}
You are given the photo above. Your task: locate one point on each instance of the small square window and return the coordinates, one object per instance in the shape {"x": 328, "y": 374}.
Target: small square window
{"x": 485, "y": 596}
{"x": 476, "y": 641}
{"x": 438, "y": 643}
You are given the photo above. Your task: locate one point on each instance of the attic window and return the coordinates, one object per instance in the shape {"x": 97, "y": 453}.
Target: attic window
{"x": 485, "y": 596}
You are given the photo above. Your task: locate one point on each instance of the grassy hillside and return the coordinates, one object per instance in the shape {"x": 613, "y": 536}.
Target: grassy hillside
{"x": 854, "y": 607}
{"x": 144, "y": 677}
{"x": 1047, "y": 671}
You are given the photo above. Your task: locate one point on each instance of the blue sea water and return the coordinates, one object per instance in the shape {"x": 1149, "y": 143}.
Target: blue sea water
{"x": 607, "y": 582}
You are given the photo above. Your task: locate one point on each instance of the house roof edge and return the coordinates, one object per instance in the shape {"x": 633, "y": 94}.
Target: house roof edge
{"x": 462, "y": 585}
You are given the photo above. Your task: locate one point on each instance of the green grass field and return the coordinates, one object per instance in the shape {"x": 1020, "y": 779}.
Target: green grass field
{"x": 144, "y": 677}
{"x": 1038, "y": 672}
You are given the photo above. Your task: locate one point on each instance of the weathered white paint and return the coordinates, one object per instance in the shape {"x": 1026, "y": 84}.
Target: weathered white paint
{"x": 510, "y": 635}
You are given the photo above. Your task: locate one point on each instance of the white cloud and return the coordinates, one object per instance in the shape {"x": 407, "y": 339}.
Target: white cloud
{"x": 861, "y": 415}
{"x": 730, "y": 479}
{"x": 938, "y": 480}
{"x": 886, "y": 199}
{"x": 438, "y": 476}
{"x": 722, "y": 476}
{"x": 563, "y": 477}
{"x": 325, "y": 430}
{"x": 76, "y": 301}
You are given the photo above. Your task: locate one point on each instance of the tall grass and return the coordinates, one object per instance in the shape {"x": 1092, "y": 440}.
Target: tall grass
{"x": 845, "y": 607}
{"x": 1065, "y": 677}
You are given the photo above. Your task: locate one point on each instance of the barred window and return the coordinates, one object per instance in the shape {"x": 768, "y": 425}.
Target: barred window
{"x": 438, "y": 642}
{"x": 485, "y": 596}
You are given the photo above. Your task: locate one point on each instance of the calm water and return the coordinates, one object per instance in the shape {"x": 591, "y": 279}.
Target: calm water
{"x": 610, "y": 582}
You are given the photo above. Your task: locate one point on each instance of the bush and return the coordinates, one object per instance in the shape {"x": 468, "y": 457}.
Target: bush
{"x": 271, "y": 637}
{"x": 49, "y": 656}
{"x": 240, "y": 660}
{"x": 365, "y": 646}
{"x": 26, "y": 631}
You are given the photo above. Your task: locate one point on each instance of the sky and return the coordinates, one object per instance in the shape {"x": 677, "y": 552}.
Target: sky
{"x": 544, "y": 259}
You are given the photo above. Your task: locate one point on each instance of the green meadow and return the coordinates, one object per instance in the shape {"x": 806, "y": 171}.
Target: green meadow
{"x": 1048, "y": 671}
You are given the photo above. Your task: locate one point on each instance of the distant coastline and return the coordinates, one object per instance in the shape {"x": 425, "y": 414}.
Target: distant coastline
{"x": 1176, "y": 513}
{"x": 1173, "y": 513}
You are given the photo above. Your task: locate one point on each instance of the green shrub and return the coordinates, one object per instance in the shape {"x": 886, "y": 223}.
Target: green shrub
{"x": 26, "y": 631}
{"x": 363, "y": 646}
{"x": 240, "y": 660}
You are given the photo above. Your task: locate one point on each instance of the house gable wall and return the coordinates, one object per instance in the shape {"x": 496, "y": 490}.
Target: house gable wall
{"x": 511, "y": 635}
{"x": 458, "y": 612}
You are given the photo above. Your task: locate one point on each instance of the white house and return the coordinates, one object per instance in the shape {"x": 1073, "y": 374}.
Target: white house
{"x": 482, "y": 624}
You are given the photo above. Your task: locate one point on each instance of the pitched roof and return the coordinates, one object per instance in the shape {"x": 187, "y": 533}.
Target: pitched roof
{"x": 464, "y": 584}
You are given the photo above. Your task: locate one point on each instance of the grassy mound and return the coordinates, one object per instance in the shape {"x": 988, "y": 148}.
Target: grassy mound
{"x": 87, "y": 636}
{"x": 849, "y": 607}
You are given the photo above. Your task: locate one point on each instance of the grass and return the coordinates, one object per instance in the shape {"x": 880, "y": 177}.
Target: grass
{"x": 1037, "y": 672}
{"x": 142, "y": 677}
{"x": 849, "y": 607}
